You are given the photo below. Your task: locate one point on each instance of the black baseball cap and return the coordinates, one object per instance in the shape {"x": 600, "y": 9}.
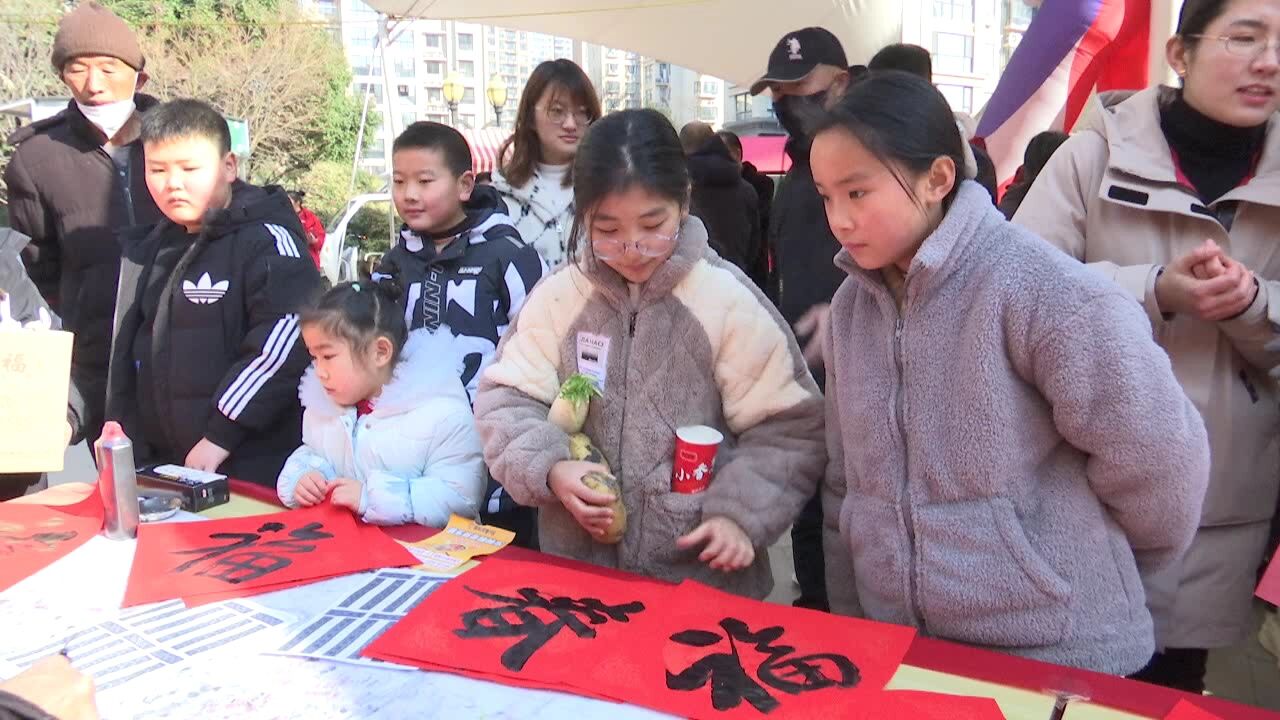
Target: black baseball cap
{"x": 798, "y": 53}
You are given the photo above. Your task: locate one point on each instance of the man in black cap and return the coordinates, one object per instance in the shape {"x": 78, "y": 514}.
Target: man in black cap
{"x": 808, "y": 72}
{"x": 76, "y": 179}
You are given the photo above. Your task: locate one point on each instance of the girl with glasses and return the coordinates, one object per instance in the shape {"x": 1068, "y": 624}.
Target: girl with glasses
{"x": 536, "y": 175}
{"x": 674, "y": 336}
{"x": 1174, "y": 193}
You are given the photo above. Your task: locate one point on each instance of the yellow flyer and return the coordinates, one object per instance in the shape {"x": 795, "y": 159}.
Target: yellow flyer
{"x": 35, "y": 367}
{"x": 460, "y": 541}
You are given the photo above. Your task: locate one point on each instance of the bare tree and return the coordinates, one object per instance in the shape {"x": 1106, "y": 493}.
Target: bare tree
{"x": 25, "y": 70}
{"x": 283, "y": 73}
{"x": 276, "y": 76}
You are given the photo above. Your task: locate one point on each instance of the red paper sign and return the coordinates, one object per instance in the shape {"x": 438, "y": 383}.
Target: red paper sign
{"x": 528, "y": 624}
{"x": 918, "y": 705}
{"x": 1269, "y": 588}
{"x": 725, "y": 656}
{"x": 238, "y": 557}
{"x": 1185, "y": 710}
{"x": 687, "y": 649}
{"x": 33, "y": 536}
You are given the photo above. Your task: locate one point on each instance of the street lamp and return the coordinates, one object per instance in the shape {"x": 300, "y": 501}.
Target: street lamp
{"x": 453, "y": 92}
{"x": 497, "y": 94}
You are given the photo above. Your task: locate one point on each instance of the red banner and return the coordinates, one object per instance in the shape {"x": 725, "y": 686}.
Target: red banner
{"x": 1186, "y": 710}
{"x": 33, "y": 536}
{"x": 919, "y": 705}
{"x": 687, "y": 649}
{"x": 1269, "y": 588}
{"x": 237, "y": 557}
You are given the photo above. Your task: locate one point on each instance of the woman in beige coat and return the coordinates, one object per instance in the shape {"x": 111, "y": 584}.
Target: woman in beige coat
{"x": 1175, "y": 194}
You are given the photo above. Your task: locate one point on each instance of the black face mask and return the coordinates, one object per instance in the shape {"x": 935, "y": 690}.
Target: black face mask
{"x": 798, "y": 113}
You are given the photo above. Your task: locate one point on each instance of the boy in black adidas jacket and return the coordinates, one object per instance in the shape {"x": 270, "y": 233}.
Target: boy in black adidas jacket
{"x": 206, "y": 355}
{"x": 462, "y": 265}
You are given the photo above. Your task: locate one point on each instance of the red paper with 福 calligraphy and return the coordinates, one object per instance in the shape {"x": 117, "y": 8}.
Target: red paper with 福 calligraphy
{"x": 724, "y": 656}
{"x": 34, "y": 536}
{"x": 529, "y": 624}
{"x": 686, "y": 649}
{"x": 1269, "y": 588}
{"x": 236, "y": 557}
{"x": 1185, "y": 710}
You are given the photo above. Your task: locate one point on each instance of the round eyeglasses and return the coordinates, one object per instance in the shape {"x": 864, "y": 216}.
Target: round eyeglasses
{"x": 1243, "y": 44}
{"x": 650, "y": 246}
{"x": 557, "y": 114}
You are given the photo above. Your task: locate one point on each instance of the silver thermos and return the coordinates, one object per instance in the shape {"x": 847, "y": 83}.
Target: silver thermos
{"x": 117, "y": 482}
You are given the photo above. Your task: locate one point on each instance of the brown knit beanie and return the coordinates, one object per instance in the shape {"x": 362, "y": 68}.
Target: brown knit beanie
{"x": 91, "y": 29}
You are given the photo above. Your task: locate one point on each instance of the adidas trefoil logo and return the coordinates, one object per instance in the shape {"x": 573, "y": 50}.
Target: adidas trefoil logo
{"x": 204, "y": 291}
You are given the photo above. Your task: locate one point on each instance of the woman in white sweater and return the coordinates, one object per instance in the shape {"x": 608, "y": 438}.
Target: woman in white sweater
{"x": 534, "y": 178}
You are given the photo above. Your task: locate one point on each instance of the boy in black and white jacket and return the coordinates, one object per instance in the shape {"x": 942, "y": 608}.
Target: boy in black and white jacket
{"x": 460, "y": 261}
{"x": 206, "y": 355}
{"x": 462, "y": 265}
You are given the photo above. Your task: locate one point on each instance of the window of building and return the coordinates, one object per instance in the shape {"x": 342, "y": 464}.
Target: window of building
{"x": 435, "y": 67}
{"x": 466, "y": 41}
{"x": 365, "y": 65}
{"x": 707, "y": 113}
{"x": 1020, "y": 13}
{"x": 957, "y": 10}
{"x": 407, "y": 119}
{"x": 404, "y": 91}
{"x": 433, "y": 41}
{"x": 952, "y": 53}
{"x": 469, "y": 95}
{"x": 404, "y": 68}
{"x": 742, "y": 105}
{"x": 959, "y": 97}
{"x": 435, "y": 95}
{"x": 710, "y": 87}
{"x": 466, "y": 68}
{"x": 468, "y": 121}
{"x": 375, "y": 89}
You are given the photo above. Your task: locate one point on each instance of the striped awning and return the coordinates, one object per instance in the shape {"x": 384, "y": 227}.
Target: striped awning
{"x": 485, "y": 143}
{"x": 767, "y": 152}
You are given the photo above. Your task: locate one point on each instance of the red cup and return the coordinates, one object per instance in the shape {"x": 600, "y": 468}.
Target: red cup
{"x": 695, "y": 462}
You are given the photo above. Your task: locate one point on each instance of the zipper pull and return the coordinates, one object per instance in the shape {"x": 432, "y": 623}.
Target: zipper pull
{"x": 897, "y": 329}
{"x": 632, "y": 331}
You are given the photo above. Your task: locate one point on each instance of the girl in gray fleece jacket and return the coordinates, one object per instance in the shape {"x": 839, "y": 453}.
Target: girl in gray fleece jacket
{"x": 1008, "y": 447}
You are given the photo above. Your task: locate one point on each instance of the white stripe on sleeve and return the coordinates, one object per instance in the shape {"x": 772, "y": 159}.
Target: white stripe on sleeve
{"x": 284, "y": 241}
{"x": 274, "y": 353}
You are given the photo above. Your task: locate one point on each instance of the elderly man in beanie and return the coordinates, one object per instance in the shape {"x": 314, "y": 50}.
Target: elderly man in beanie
{"x": 76, "y": 179}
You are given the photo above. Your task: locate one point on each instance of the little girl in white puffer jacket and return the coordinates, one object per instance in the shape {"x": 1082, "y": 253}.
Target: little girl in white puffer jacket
{"x": 387, "y": 429}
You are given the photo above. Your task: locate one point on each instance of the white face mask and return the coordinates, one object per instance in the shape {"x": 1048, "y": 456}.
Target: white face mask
{"x": 111, "y": 117}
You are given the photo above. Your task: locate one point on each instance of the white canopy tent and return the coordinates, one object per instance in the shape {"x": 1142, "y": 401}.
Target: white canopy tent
{"x": 730, "y": 39}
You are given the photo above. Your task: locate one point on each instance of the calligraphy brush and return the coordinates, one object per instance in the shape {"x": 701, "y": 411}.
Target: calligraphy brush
{"x": 66, "y": 645}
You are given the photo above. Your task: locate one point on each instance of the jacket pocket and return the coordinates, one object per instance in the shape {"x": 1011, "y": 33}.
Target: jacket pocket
{"x": 981, "y": 581}
{"x": 667, "y": 517}
{"x": 874, "y": 531}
